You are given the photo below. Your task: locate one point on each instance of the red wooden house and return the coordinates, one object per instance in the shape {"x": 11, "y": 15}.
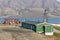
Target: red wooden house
{"x": 11, "y": 21}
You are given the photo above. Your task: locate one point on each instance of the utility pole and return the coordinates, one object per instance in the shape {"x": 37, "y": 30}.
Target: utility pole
{"x": 45, "y": 16}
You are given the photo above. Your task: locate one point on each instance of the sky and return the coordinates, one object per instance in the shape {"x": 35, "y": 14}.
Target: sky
{"x": 58, "y": 0}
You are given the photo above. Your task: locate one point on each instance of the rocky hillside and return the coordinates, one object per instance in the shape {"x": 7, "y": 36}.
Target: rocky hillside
{"x": 29, "y": 8}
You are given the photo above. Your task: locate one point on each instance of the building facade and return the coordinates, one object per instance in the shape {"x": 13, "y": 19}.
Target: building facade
{"x": 11, "y": 21}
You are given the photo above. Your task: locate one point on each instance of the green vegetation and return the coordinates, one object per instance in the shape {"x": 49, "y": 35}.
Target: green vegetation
{"x": 58, "y": 28}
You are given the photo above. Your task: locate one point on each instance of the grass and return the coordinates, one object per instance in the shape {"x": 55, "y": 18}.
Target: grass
{"x": 57, "y": 36}
{"x": 58, "y": 28}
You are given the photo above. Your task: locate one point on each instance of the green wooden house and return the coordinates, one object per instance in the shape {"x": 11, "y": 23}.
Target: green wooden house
{"x": 48, "y": 29}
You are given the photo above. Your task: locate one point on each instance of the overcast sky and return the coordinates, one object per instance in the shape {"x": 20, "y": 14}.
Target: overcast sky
{"x": 58, "y": 0}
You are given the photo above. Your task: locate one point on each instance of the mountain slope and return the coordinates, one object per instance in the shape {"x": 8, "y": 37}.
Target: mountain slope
{"x": 21, "y": 8}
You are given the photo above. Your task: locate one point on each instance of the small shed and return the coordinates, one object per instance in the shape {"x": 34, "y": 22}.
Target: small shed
{"x": 35, "y": 26}
{"x": 48, "y": 29}
{"x": 11, "y": 21}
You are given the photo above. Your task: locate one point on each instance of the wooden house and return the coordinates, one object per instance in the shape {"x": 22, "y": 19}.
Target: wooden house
{"x": 11, "y": 21}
